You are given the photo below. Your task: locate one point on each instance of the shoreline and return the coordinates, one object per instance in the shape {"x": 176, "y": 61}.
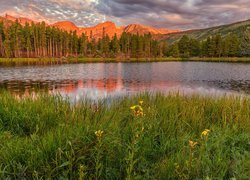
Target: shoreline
{"x": 53, "y": 61}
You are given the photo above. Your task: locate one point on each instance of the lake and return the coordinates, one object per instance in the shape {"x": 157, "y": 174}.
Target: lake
{"x": 102, "y": 80}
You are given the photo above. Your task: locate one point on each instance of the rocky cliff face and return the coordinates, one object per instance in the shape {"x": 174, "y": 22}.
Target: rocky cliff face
{"x": 142, "y": 29}
{"x": 66, "y": 25}
{"x": 107, "y": 28}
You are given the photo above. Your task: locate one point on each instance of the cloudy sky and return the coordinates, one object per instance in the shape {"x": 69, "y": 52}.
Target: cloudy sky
{"x": 174, "y": 14}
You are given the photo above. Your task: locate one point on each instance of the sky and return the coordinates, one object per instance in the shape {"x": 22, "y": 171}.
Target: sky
{"x": 172, "y": 14}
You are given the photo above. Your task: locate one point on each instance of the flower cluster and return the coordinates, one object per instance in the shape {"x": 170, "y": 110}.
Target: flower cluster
{"x": 138, "y": 110}
{"x": 99, "y": 134}
{"x": 205, "y": 132}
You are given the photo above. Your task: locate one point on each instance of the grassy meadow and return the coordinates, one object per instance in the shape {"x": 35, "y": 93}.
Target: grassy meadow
{"x": 140, "y": 137}
{"x": 48, "y": 61}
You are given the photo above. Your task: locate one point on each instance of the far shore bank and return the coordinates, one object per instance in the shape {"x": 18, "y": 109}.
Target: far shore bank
{"x": 48, "y": 61}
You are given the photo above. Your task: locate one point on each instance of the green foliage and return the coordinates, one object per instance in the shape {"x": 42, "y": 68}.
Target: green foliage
{"x": 189, "y": 47}
{"x": 1, "y": 39}
{"x": 184, "y": 45}
{"x": 194, "y": 48}
{"x": 245, "y": 44}
{"x": 39, "y": 40}
{"x": 214, "y": 46}
{"x": 174, "y": 51}
{"x": 46, "y": 137}
{"x": 239, "y": 30}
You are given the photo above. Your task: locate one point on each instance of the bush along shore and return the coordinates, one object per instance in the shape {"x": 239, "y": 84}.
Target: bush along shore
{"x": 52, "y": 61}
{"x": 140, "y": 137}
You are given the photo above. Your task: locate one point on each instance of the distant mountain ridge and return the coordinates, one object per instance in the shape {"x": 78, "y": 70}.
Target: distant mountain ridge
{"x": 109, "y": 28}
{"x": 237, "y": 28}
{"x": 21, "y": 20}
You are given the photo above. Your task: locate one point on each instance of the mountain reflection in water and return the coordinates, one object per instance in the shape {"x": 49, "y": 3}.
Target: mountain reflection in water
{"x": 97, "y": 81}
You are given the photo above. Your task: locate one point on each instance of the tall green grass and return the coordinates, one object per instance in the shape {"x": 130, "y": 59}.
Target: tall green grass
{"x": 47, "y": 137}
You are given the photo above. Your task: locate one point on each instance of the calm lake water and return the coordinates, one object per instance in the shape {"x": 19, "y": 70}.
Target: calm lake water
{"x": 102, "y": 80}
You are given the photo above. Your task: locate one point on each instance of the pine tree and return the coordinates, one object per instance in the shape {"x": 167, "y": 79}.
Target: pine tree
{"x": 106, "y": 47}
{"x": 211, "y": 46}
{"x": 226, "y": 46}
{"x": 147, "y": 45}
{"x": 115, "y": 46}
{"x": 43, "y": 39}
{"x": 124, "y": 43}
{"x": 1, "y": 39}
{"x": 7, "y": 45}
{"x": 165, "y": 49}
{"x": 139, "y": 50}
{"x": 174, "y": 50}
{"x": 204, "y": 48}
{"x": 234, "y": 46}
{"x": 83, "y": 45}
{"x": 154, "y": 48}
{"x": 245, "y": 43}
{"x": 230, "y": 46}
{"x": 194, "y": 47}
{"x": 218, "y": 44}
{"x": 133, "y": 45}
{"x": 184, "y": 46}
{"x": 74, "y": 43}
{"x": 27, "y": 40}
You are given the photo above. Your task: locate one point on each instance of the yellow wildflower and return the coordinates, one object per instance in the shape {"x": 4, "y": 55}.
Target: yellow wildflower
{"x": 205, "y": 132}
{"x": 207, "y": 178}
{"x": 99, "y": 134}
{"x": 140, "y": 102}
{"x": 192, "y": 143}
{"x": 132, "y": 107}
{"x": 137, "y": 110}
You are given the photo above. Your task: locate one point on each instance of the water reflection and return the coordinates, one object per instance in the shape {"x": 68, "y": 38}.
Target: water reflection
{"x": 96, "y": 81}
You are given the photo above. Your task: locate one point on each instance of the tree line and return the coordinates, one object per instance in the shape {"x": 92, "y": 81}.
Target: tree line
{"x": 39, "y": 40}
{"x": 214, "y": 46}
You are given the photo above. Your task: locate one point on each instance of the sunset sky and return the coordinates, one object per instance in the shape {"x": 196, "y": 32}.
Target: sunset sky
{"x": 180, "y": 14}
